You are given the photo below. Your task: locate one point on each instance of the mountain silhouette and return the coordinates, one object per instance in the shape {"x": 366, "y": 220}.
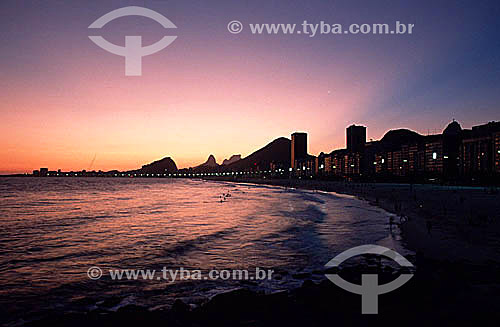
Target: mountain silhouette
{"x": 401, "y": 135}
{"x": 233, "y": 158}
{"x": 278, "y": 151}
{"x": 165, "y": 165}
{"x": 211, "y": 162}
{"x": 208, "y": 166}
{"x": 394, "y": 138}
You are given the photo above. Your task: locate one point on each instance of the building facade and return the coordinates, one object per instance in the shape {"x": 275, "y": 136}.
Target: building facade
{"x": 299, "y": 147}
{"x": 356, "y": 138}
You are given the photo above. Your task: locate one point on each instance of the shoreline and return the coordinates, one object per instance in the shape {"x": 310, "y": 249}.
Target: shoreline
{"x": 441, "y": 223}
{"x": 441, "y": 292}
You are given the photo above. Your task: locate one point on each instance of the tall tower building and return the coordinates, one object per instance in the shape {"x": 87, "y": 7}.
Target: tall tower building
{"x": 356, "y": 138}
{"x": 299, "y": 147}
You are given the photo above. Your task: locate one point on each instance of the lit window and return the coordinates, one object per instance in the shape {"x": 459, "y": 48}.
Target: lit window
{"x": 434, "y": 155}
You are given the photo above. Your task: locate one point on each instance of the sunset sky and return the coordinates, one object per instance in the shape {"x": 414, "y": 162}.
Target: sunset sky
{"x": 64, "y": 100}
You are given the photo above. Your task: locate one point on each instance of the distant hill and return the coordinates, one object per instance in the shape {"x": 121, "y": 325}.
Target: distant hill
{"x": 209, "y": 165}
{"x": 231, "y": 160}
{"x": 278, "y": 151}
{"x": 211, "y": 162}
{"x": 165, "y": 165}
{"x": 394, "y": 138}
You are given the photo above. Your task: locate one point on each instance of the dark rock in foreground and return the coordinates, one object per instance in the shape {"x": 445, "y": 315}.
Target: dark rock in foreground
{"x": 439, "y": 294}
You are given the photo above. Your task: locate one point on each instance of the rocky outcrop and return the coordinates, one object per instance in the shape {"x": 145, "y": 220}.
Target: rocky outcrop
{"x": 211, "y": 162}
{"x": 165, "y": 165}
{"x": 231, "y": 160}
{"x": 278, "y": 152}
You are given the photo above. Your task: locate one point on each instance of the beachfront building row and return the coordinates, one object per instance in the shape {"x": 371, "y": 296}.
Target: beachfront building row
{"x": 455, "y": 154}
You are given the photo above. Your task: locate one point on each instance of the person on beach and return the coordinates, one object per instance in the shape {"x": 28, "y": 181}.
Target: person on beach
{"x": 429, "y": 226}
{"x": 403, "y": 219}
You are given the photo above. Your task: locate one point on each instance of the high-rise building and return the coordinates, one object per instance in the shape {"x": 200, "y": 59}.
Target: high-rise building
{"x": 452, "y": 139}
{"x": 496, "y": 148}
{"x": 356, "y": 138}
{"x": 299, "y": 147}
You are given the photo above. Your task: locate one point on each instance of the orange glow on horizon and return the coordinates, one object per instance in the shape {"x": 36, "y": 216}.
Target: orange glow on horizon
{"x": 184, "y": 114}
{"x": 190, "y": 105}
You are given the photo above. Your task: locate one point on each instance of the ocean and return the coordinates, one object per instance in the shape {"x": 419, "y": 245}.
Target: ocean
{"x": 52, "y": 230}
